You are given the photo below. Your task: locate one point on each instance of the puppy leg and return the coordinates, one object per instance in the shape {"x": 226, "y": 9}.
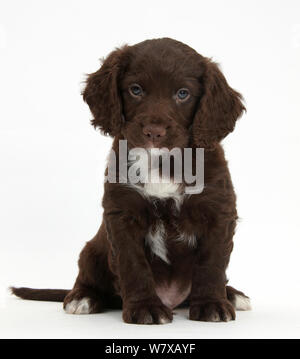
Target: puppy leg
{"x": 93, "y": 290}
{"x": 141, "y": 305}
{"x": 209, "y": 300}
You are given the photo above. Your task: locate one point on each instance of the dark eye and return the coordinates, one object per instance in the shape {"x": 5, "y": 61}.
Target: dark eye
{"x": 135, "y": 90}
{"x": 183, "y": 94}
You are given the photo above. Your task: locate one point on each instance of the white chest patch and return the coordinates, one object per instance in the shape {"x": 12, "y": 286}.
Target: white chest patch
{"x": 156, "y": 241}
{"x": 154, "y": 185}
{"x": 161, "y": 190}
{"x": 150, "y": 185}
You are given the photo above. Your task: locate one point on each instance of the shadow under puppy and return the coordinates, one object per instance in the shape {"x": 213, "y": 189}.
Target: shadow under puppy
{"x": 157, "y": 247}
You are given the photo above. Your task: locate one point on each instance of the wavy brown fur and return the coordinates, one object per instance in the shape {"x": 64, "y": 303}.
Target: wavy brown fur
{"x": 117, "y": 268}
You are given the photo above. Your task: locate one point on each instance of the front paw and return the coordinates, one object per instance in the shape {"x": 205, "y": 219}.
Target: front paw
{"x": 147, "y": 314}
{"x": 212, "y": 311}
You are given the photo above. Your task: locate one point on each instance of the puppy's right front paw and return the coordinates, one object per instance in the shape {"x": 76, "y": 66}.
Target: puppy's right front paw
{"x": 147, "y": 314}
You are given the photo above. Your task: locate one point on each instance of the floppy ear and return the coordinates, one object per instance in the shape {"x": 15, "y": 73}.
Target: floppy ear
{"x": 218, "y": 109}
{"x": 102, "y": 93}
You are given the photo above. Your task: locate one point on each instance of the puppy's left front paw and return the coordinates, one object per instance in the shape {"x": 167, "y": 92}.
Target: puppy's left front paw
{"x": 147, "y": 314}
{"x": 212, "y": 311}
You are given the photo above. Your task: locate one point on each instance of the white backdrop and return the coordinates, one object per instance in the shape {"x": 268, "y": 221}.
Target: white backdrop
{"x": 52, "y": 161}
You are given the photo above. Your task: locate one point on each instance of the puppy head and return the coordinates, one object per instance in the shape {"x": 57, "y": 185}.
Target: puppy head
{"x": 162, "y": 93}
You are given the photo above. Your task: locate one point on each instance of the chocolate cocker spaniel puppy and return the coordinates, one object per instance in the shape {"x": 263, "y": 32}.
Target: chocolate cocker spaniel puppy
{"x": 158, "y": 246}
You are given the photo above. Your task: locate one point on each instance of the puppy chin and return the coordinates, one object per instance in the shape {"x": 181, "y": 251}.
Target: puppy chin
{"x": 152, "y": 146}
{"x": 149, "y": 145}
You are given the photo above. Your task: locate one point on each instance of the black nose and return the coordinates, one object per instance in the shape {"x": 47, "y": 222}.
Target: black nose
{"x": 154, "y": 132}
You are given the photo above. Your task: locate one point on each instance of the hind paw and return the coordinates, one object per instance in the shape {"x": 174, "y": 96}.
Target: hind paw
{"x": 78, "y": 303}
{"x": 241, "y": 302}
{"x": 81, "y": 306}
